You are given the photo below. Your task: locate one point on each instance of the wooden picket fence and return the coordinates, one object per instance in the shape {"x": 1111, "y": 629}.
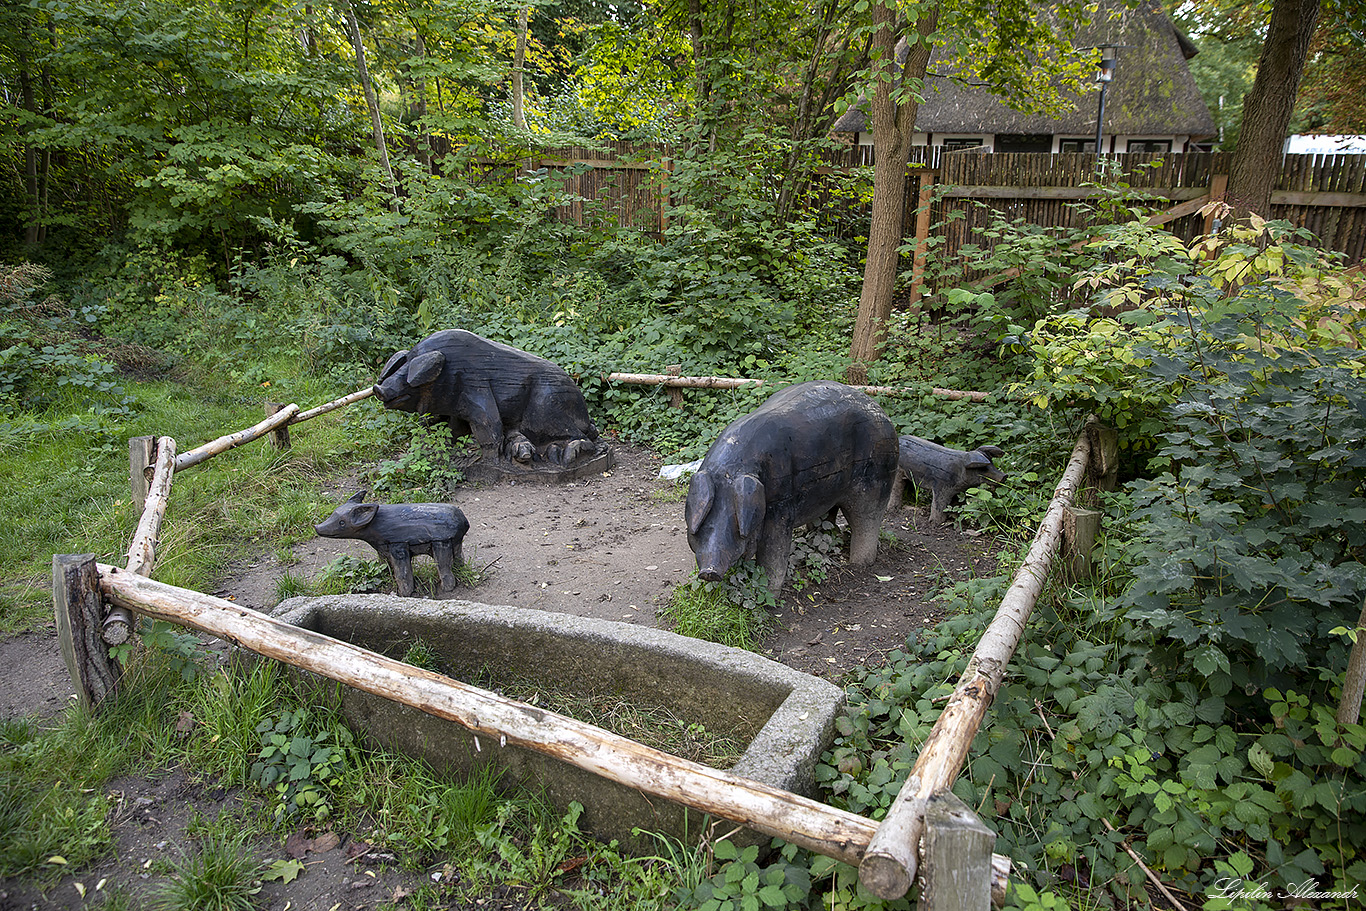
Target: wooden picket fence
{"x": 1325, "y": 194}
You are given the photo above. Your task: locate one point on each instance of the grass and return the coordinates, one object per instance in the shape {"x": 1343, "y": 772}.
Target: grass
{"x": 653, "y": 725}
{"x": 734, "y": 611}
{"x": 243, "y": 499}
{"x": 220, "y": 873}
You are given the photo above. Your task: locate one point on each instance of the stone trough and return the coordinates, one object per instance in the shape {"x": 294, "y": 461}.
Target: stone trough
{"x": 791, "y": 715}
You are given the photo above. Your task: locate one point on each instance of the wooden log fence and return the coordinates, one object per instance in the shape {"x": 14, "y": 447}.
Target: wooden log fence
{"x": 675, "y": 381}
{"x": 925, "y": 821}
{"x": 889, "y": 865}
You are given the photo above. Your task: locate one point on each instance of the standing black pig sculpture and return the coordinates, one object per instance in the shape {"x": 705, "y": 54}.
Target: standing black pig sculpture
{"x": 517, "y": 406}
{"x": 810, "y": 449}
{"x": 945, "y": 472}
{"x": 399, "y": 532}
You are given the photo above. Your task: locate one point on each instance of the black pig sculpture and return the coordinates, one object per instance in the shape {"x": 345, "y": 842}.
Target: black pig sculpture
{"x": 945, "y": 473}
{"x": 808, "y": 450}
{"x": 399, "y": 532}
{"x": 517, "y": 406}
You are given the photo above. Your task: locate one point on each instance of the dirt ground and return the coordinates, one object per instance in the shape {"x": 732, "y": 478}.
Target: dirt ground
{"x": 611, "y": 546}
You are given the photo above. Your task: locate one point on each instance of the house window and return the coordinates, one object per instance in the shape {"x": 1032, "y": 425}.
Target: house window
{"x": 1077, "y": 144}
{"x": 1024, "y": 142}
{"x": 1157, "y": 146}
{"x": 963, "y": 142}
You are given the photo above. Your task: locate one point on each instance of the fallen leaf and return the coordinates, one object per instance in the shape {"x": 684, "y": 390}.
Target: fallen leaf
{"x": 324, "y": 843}
{"x": 185, "y": 723}
{"x": 357, "y": 849}
{"x": 297, "y": 844}
{"x": 286, "y": 871}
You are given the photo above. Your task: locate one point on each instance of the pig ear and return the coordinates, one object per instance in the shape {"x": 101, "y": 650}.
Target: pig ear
{"x": 425, "y": 367}
{"x": 700, "y": 493}
{"x": 991, "y": 452}
{"x": 750, "y": 492}
{"x": 392, "y": 364}
{"x": 364, "y": 514}
{"x": 357, "y": 497}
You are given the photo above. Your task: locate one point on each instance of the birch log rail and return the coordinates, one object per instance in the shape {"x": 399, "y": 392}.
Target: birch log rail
{"x": 889, "y": 865}
{"x": 767, "y": 809}
{"x": 224, "y": 443}
{"x": 289, "y": 414}
{"x": 729, "y": 382}
{"x": 118, "y": 623}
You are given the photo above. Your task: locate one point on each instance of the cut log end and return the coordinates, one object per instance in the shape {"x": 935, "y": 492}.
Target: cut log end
{"x": 884, "y": 875}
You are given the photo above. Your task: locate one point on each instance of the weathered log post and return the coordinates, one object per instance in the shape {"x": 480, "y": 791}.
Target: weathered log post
{"x": 957, "y": 857}
{"x": 79, "y": 611}
{"x": 141, "y": 454}
{"x": 890, "y": 864}
{"x": 1079, "y": 529}
{"x": 279, "y": 437}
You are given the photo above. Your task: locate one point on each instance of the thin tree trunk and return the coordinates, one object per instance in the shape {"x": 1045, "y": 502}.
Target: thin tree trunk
{"x": 1354, "y": 682}
{"x": 1267, "y": 107}
{"x": 893, "y": 125}
{"x": 30, "y": 103}
{"x": 518, "y": 62}
{"x": 371, "y": 102}
{"x": 424, "y": 137}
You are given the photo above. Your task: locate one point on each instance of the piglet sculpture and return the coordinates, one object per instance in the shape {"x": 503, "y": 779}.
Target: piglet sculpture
{"x": 945, "y": 472}
{"x": 399, "y": 532}
{"x": 519, "y": 408}
{"x": 809, "y": 450}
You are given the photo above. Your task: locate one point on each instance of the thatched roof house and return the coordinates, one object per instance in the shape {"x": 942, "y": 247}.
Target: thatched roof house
{"x": 1152, "y": 104}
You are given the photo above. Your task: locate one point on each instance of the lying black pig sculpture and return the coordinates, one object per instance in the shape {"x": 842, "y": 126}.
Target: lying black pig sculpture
{"x": 517, "y": 406}
{"x": 945, "y": 473}
{"x": 807, "y": 451}
{"x": 399, "y": 532}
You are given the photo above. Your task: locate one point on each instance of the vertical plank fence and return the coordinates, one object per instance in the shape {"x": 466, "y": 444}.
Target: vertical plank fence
{"x": 628, "y": 184}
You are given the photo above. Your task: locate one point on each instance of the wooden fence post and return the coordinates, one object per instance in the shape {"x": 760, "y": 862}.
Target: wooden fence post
{"x": 79, "y": 612}
{"x": 675, "y": 394}
{"x": 925, "y": 197}
{"x": 957, "y": 865}
{"x": 141, "y": 454}
{"x": 1218, "y": 187}
{"x": 279, "y": 437}
{"x": 1079, "y": 530}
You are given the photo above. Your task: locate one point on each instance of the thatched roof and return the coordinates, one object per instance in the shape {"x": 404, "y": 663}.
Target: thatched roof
{"x": 1152, "y": 92}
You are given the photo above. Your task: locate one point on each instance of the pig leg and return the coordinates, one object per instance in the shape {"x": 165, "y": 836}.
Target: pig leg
{"x": 775, "y": 549}
{"x": 400, "y": 561}
{"x": 480, "y": 410}
{"x": 864, "y": 516}
{"x": 443, "y": 552}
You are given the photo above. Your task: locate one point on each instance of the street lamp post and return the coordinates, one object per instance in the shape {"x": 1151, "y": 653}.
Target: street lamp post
{"x": 1104, "y": 75}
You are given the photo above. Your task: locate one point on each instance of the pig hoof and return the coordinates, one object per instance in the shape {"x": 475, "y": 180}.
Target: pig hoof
{"x": 523, "y": 452}
{"x": 576, "y": 450}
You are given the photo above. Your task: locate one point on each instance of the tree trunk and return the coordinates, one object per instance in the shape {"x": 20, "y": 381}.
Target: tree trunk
{"x": 30, "y": 103}
{"x": 1354, "y": 682}
{"x": 1267, "y": 107}
{"x": 424, "y": 138}
{"x": 371, "y": 102}
{"x": 893, "y": 125}
{"x": 518, "y": 61}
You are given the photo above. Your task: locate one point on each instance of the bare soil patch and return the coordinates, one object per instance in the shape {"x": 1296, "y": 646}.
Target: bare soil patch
{"x": 611, "y": 546}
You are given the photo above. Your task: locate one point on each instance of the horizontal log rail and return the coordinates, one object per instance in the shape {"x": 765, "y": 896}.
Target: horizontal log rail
{"x": 773, "y": 811}
{"x": 729, "y": 382}
{"x": 889, "y": 865}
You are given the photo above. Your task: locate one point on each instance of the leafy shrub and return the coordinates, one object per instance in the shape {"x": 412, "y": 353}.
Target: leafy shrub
{"x": 300, "y": 762}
